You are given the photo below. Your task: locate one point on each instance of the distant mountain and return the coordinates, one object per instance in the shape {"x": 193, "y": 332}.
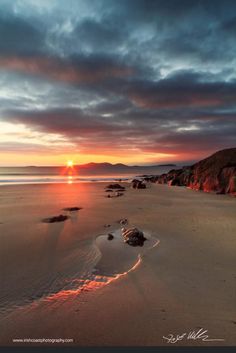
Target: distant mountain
{"x": 120, "y": 169}
{"x": 119, "y": 166}
{"x": 92, "y": 168}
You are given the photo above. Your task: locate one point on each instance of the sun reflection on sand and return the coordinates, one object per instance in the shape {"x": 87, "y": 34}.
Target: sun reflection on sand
{"x": 89, "y": 285}
{"x": 94, "y": 282}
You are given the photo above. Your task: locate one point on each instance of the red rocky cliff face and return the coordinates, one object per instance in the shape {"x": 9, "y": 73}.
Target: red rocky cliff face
{"x": 216, "y": 173}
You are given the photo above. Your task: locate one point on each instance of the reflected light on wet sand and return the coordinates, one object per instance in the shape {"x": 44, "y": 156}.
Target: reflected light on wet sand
{"x": 88, "y": 286}
{"x": 69, "y": 179}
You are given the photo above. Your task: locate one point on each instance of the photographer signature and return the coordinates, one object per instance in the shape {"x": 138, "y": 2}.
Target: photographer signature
{"x": 200, "y": 334}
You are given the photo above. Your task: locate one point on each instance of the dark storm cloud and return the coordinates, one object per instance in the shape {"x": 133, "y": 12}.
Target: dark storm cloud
{"x": 229, "y": 26}
{"x": 93, "y": 34}
{"x": 165, "y": 134}
{"x": 165, "y": 12}
{"x": 182, "y": 90}
{"x": 154, "y": 76}
{"x": 18, "y": 36}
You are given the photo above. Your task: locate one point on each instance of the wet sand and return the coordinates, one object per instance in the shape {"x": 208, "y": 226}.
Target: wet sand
{"x": 185, "y": 282}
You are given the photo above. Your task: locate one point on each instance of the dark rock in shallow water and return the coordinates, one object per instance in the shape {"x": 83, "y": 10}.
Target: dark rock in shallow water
{"x": 72, "y": 209}
{"x": 115, "y": 186}
{"x": 110, "y": 236}
{"x": 133, "y": 236}
{"x": 60, "y": 218}
{"x": 138, "y": 184}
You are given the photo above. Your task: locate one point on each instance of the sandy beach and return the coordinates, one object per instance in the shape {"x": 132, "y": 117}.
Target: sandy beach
{"x": 184, "y": 283}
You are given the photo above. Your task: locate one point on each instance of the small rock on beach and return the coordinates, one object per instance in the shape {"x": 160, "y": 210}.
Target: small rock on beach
{"x": 72, "y": 209}
{"x": 123, "y": 221}
{"x": 60, "y": 218}
{"x": 115, "y": 186}
{"x": 133, "y": 236}
{"x": 117, "y": 194}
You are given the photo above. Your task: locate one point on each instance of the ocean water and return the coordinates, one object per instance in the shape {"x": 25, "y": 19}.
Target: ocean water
{"x": 67, "y": 179}
{"x": 38, "y": 175}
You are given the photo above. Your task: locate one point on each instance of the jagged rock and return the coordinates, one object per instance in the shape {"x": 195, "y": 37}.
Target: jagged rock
{"x": 138, "y": 184}
{"x": 134, "y": 181}
{"x": 133, "y": 236}
{"x": 60, "y": 218}
{"x": 162, "y": 179}
{"x": 151, "y": 178}
{"x": 216, "y": 173}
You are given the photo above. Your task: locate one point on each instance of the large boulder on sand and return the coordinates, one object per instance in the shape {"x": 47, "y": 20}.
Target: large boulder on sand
{"x": 138, "y": 184}
{"x": 133, "y": 236}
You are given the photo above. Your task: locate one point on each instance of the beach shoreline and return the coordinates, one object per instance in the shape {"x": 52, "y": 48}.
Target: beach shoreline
{"x": 184, "y": 283}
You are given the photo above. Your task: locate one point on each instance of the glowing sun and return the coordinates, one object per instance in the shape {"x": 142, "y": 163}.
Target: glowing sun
{"x": 70, "y": 164}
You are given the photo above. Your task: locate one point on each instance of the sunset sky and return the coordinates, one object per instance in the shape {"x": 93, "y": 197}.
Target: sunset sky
{"x": 131, "y": 81}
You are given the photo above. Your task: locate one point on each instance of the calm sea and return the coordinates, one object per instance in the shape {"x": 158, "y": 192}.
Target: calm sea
{"x": 29, "y": 175}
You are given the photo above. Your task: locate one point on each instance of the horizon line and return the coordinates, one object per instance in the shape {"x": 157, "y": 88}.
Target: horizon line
{"x": 99, "y": 163}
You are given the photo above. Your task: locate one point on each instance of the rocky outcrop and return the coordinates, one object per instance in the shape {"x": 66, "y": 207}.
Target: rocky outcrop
{"x": 216, "y": 173}
{"x": 149, "y": 178}
{"x": 133, "y": 236}
{"x": 138, "y": 184}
